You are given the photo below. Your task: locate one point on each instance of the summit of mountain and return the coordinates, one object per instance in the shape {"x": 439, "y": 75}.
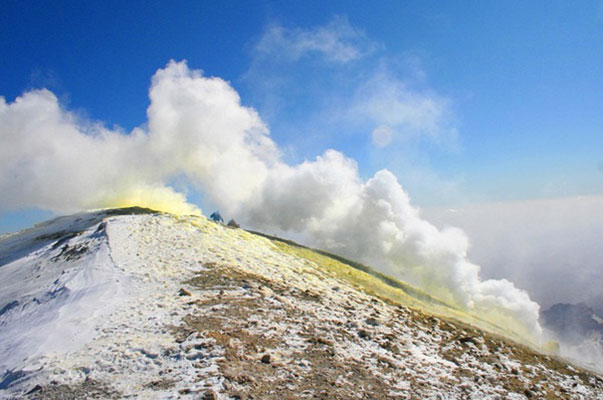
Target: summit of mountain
{"x": 140, "y": 304}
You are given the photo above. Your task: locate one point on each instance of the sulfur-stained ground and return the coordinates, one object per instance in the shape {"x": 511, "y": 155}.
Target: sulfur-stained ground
{"x": 219, "y": 313}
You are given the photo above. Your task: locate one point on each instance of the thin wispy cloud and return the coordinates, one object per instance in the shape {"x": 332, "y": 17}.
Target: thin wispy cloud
{"x": 336, "y": 42}
{"x": 348, "y": 87}
{"x": 386, "y": 100}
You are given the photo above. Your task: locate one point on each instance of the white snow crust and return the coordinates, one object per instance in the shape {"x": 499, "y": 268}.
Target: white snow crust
{"x": 94, "y": 298}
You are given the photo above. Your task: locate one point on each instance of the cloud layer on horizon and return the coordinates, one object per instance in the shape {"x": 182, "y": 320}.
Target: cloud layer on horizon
{"x": 550, "y": 247}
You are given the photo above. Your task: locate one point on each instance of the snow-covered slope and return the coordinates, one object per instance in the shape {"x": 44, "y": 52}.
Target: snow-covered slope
{"x": 57, "y": 281}
{"x": 132, "y": 304}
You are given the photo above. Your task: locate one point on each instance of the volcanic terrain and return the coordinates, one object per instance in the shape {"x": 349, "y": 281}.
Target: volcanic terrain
{"x": 131, "y": 303}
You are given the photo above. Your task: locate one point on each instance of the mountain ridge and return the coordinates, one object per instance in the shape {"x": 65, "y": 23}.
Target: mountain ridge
{"x": 208, "y": 311}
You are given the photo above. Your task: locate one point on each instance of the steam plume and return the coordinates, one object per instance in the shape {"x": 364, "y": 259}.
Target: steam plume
{"x": 197, "y": 127}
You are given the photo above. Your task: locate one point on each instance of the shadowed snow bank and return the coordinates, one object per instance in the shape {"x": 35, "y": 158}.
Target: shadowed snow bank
{"x": 58, "y": 281}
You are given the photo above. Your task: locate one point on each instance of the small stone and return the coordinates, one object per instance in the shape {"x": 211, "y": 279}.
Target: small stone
{"x": 364, "y": 334}
{"x": 266, "y": 358}
{"x": 244, "y": 379}
{"x": 320, "y": 340}
{"x": 37, "y": 388}
{"x": 266, "y": 291}
{"x": 184, "y": 292}
{"x": 210, "y": 395}
{"x": 528, "y": 393}
{"x": 467, "y": 339}
{"x": 372, "y": 322}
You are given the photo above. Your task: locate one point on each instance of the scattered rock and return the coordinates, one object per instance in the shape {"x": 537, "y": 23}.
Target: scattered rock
{"x": 364, "y": 334}
{"x": 239, "y": 330}
{"x": 266, "y": 291}
{"x": 210, "y": 395}
{"x": 467, "y": 339}
{"x": 148, "y": 353}
{"x": 242, "y": 379}
{"x": 37, "y": 388}
{"x": 311, "y": 295}
{"x": 161, "y": 384}
{"x": 233, "y": 224}
{"x": 88, "y": 389}
{"x": 390, "y": 346}
{"x": 320, "y": 340}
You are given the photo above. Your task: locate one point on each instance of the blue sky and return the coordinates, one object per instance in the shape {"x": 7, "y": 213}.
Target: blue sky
{"x": 477, "y": 102}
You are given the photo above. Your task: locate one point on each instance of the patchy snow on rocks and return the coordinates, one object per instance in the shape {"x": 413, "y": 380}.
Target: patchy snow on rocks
{"x": 104, "y": 305}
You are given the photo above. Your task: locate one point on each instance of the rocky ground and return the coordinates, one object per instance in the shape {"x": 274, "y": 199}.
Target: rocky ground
{"x": 218, "y": 313}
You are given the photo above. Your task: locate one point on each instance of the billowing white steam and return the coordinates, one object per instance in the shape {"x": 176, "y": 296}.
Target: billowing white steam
{"x": 197, "y": 127}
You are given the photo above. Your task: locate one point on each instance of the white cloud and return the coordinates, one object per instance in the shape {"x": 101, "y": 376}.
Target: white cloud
{"x": 336, "y": 42}
{"x": 198, "y": 128}
{"x": 550, "y": 247}
{"x": 411, "y": 113}
{"x": 347, "y": 87}
{"x": 374, "y": 222}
